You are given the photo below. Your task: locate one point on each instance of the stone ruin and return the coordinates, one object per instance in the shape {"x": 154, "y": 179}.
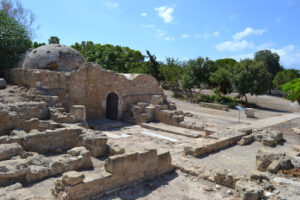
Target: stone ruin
{"x": 46, "y": 131}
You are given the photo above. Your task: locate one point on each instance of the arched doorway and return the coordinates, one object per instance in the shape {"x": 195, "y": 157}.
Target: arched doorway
{"x": 112, "y": 106}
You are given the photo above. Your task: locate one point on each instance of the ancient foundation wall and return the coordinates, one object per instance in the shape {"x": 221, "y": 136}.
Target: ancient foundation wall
{"x": 120, "y": 169}
{"x": 90, "y": 86}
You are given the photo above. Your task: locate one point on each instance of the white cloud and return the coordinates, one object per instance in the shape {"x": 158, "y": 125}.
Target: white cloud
{"x": 185, "y": 36}
{"x": 144, "y": 14}
{"x": 148, "y": 26}
{"x": 234, "y": 45}
{"x": 169, "y": 38}
{"x": 289, "y": 56}
{"x": 112, "y": 4}
{"x": 216, "y": 33}
{"x": 248, "y": 31}
{"x": 165, "y": 13}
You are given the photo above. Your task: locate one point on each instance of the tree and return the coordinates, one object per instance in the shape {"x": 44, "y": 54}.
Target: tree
{"x": 171, "y": 73}
{"x": 221, "y": 80}
{"x": 292, "y": 89}
{"x": 14, "y": 41}
{"x": 226, "y": 63}
{"x": 24, "y": 17}
{"x": 193, "y": 76}
{"x": 53, "y": 40}
{"x": 251, "y": 77}
{"x": 154, "y": 66}
{"x": 116, "y": 58}
{"x": 285, "y": 76}
{"x": 36, "y": 45}
{"x": 271, "y": 61}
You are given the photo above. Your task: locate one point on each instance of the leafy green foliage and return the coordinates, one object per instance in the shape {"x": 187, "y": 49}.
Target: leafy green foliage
{"x": 221, "y": 79}
{"x": 116, "y": 58}
{"x": 53, "y": 40}
{"x": 292, "y": 89}
{"x": 154, "y": 66}
{"x": 285, "y": 76}
{"x": 36, "y": 45}
{"x": 251, "y": 77}
{"x": 271, "y": 61}
{"x": 227, "y": 63}
{"x": 171, "y": 73}
{"x": 14, "y": 41}
{"x": 193, "y": 75}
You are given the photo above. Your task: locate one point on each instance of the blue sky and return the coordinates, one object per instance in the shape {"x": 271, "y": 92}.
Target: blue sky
{"x": 181, "y": 29}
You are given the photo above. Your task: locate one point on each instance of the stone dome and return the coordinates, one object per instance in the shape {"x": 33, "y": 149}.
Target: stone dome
{"x": 53, "y": 57}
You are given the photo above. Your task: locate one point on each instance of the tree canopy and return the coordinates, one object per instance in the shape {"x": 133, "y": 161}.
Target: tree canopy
{"x": 251, "y": 77}
{"x": 53, "y": 40}
{"x": 292, "y": 89}
{"x": 285, "y": 76}
{"x": 14, "y": 41}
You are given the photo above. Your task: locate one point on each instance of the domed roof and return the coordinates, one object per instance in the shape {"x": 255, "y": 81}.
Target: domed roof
{"x": 53, "y": 57}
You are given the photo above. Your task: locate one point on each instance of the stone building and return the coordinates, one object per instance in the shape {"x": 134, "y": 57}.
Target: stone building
{"x": 62, "y": 71}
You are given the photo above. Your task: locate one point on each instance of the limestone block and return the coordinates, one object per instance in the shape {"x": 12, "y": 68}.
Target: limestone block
{"x": 264, "y": 158}
{"x": 149, "y": 110}
{"x": 72, "y": 178}
{"x": 123, "y": 164}
{"x": 143, "y": 118}
{"x": 296, "y": 148}
{"x": 2, "y": 83}
{"x": 142, "y": 104}
{"x": 79, "y": 112}
{"x": 281, "y": 164}
{"x": 114, "y": 149}
{"x": 248, "y": 190}
{"x": 164, "y": 162}
{"x": 9, "y": 150}
{"x": 259, "y": 176}
{"x": 157, "y": 100}
{"x": 137, "y": 110}
{"x": 248, "y": 139}
{"x": 250, "y": 112}
{"x": 96, "y": 143}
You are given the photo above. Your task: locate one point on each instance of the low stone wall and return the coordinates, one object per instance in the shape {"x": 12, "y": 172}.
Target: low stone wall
{"x": 58, "y": 140}
{"x": 214, "y": 106}
{"x": 212, "y": 146}
{"x": 120, "y": 170}
{"x": 32, "y": 167}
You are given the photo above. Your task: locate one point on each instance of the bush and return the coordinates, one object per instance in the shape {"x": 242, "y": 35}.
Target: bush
{"x": 14, "y": 41}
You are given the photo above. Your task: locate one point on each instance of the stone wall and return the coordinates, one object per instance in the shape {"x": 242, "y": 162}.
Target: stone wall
{"x": 119, "y": 170}
{"x": 90, "y": 86}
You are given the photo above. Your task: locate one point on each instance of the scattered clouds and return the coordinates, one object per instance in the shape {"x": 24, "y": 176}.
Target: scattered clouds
{"x": 216, "y": 33}
{"x": 206, "y": 36}
{"x": 144, "y": 14}
{"x": 169, "y": 38}
{"x": 185, "y": 36}
{"x": 112, "y": 4}
{"x": 238, "y": 43}
{"x": 151, "y": 26}
{"x": 160, "y": 34}
{"x": 289, "y": 56}
{"x": 248, "y": 31}
{"x": 235, "y": 45}
{"x": 165, "y": 13}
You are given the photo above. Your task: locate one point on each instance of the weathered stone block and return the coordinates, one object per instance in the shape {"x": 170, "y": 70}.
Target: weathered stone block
{"x": 9, "y": 150}
{"x": 250, "y": 112}
{"x": 248, "y": 190}
{"x": 72, "y": 178}
{"x": 79, "y": 112}
{"x": 157, "y": 100}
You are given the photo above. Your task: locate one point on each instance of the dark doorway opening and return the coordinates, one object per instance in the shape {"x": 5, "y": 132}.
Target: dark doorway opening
{"x": 112, "y": 106}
